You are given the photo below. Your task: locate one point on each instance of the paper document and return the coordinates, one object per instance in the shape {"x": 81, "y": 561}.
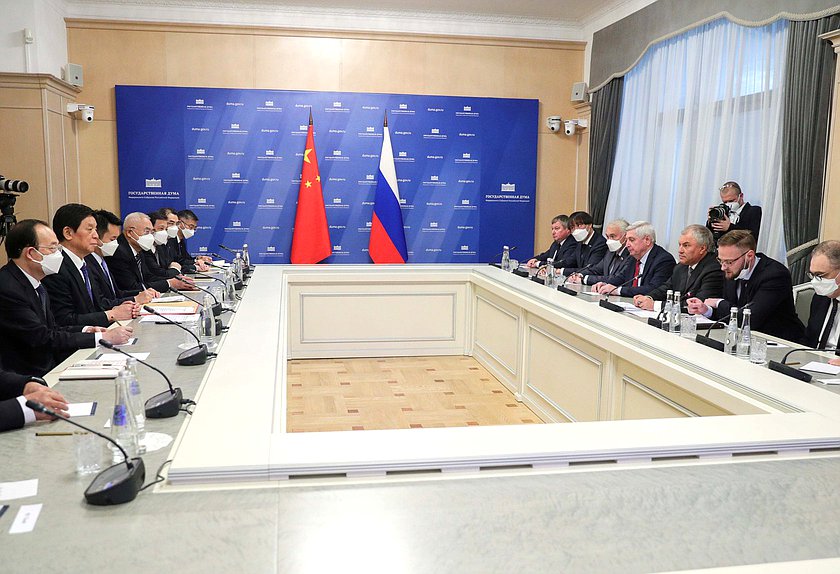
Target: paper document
{"x": 81, "y": 409}
{"x": 26, "y": 518}
{"x": 173, "y": 318}
{"x": 172, "y": 310}
{"x": 117, "y": 358}
{"x": 169, "y": 299}
{"x": 827, "y": 381}
{"x": 818, "y": 367}
{"x": 18, "y": 489}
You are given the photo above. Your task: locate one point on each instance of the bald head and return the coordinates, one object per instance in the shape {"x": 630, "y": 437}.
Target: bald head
{"x": 136, "y": 225}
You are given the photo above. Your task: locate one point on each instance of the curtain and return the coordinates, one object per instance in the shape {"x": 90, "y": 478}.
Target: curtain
{"x": 700, "y": 109}
{"x": 810, "y": 65}
{"x": 606, "y": 110}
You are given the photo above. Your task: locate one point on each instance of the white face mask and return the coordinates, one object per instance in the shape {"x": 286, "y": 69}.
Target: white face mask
{"x": 161, "y": 237}
{"x": 109, "y": 248}
{"x": 188, "y": 232}
{"x": 613, "y": 245}
{"x": 733, "y": 205}
{"x": 744, "y": 271}
{"x": 172, "y": 231}
{"x": 580, "y": 234}
{"x": 824, "y": 287}
{"x": 146, "y": 241}
{"x": 51, "y": 263}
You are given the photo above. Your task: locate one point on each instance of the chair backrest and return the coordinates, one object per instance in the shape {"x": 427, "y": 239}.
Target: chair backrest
{"x": 802, "y": 295}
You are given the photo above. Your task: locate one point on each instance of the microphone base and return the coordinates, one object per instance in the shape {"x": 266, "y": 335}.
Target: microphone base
{"x": 567, "y": 291}
{"x": 238, "y": 285}
{"x": 117, "y": 484}
{"x": 164, "y": 405}
{"x": 192, "y": 357}
{"x": 219, "y": 327}
{"x": 789, "y": 371}
{"x": 653, "y": 322}
{"x": 217, "y": 309}
{"x": 709, "y": 342}
{"x": 611, "y": 306}
{"x": 520, "y": 273}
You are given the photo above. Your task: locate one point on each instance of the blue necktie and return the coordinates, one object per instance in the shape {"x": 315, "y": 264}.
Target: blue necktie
{"x": 42, "y": 295}
{"x": 108, "y": 275}
{"x": 87, "y": 281}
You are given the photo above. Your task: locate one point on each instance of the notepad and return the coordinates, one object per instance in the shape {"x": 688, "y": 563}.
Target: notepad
{"x": 172, "y": 310}
{"x": 817, "y": 367}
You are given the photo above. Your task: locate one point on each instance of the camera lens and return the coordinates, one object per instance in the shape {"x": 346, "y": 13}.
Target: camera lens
{"x": 13, "y": 185}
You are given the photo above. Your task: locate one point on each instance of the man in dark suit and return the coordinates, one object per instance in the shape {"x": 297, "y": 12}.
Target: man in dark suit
{"x": 591, "y": 247}
{"x": 698, "y": 273}
{"x": 30, "y": 341}
{"x": 127, "y": 265}
{"x": 616, "y": 257}
{"x": 108, "y": 228}
{"x": 741, "y": 215}
{"x": 562, "y": 249}
{"x": 187, "y": 222}
{"x": 823, "y": 330}
{"x": 15, "y": 390}
{"x": 75, "y": 298}
{"x": 650, "y": 268}
{"x": 756, "y": 280}
{"x": 159, "y": 258}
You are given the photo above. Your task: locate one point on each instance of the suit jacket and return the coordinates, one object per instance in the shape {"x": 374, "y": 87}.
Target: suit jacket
{"x": 612, "y": 264}
{"x": 658, "y": 268}
{"x": 11, "y": 387}
{"x": 30, "y": 341}
{"x": 770, "y": 295}
{"x": 181, "y": 254}
{"x": 158, "y": 262}
{"x": 749, "y": 219}
{"x": 706, "y": 281}
{"x": 561, "y": 254}
{"x": 109, "y": 298}
{"x": 130, "y": 277}
{"x": 820, "y": 307}
{"x": 11, "y": 415}
{"x": 587, "y": 255}
{"x": 69, "y": 298}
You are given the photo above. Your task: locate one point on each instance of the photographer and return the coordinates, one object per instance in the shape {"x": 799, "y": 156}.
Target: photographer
{"x": 733, "y": 213}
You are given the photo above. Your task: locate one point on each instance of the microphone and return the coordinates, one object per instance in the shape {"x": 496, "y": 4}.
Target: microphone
{"x": 190, "y": 357}
{"x": 205, "y": 275}
{"x": 228, "y": 249}
{"x": 218, "y": 322}
{"x": 782, "y": 367}
{"x": 605, "y": 303}
{"x": 497, "y": 255}
{"x": 217, "y": 307}
{"x": 562, "y": 287}
{"x": 708, "y": 341}
{"x": 163, "y": 405}
{"x": 116, "y": 484}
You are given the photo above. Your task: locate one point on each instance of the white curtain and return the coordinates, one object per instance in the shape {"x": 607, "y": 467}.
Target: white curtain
{"x": 700, "y": 109}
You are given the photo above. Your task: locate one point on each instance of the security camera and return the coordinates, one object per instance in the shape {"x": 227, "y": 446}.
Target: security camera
{"x": 81, "y": 111}
{"x": 570, "y": 127}
{"x": 553, "y": 123}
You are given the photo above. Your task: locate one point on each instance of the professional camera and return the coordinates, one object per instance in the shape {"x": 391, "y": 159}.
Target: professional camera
{"x": 9, "y": 188}
{"x": 719, "y": 213}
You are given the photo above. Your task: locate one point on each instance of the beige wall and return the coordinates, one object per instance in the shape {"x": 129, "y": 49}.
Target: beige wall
{"x": 227, "y": 57}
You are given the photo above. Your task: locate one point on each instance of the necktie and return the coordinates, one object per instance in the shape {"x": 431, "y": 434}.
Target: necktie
{"x": 636, "y": 273}
{"x": 827, "y": 331}
{"x": 140, "y": 270}
{"x": 742, "y": 293}
{"x": 87, "y": 281}
{"x": 108, "y": 275}
{"x": 687, "y": 280}
{"x": 42, "y": 295}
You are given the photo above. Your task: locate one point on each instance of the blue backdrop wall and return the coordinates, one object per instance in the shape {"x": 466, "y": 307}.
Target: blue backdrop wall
{"x": 466, "y": 167}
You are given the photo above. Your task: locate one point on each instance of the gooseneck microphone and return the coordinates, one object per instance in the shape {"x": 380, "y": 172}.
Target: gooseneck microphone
{"x": 162, "y": 405}
{"x": 785, "y": 369}
{"x": 218, "y": 322}
{"x": 116, "y": 484}
{"x": 229, "y": 250}
{"x": 497, "y": 255}
{"x": 217, "y": 307}
{"x": 191, "y": 357}
{"x": 605, "y": 303}
{"x": 562, "y": 287}
{"x": 200, "y": 274}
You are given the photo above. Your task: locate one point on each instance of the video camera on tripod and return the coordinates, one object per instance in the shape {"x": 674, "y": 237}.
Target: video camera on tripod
{"x": 9, "y": 190}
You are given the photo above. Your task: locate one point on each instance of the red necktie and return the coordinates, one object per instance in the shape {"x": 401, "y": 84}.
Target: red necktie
{"x": 636, "y": 273}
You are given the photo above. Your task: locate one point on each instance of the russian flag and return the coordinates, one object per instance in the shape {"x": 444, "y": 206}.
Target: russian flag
{"x": 387, "y": 236}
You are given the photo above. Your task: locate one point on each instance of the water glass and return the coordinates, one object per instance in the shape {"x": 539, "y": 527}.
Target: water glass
{"x": 189, "y": 341}
{"x": 88, "y": 449}
{"x": 688, "y": 326}
{"x": 758, "y": 351}
{"x": 514, "y": 265}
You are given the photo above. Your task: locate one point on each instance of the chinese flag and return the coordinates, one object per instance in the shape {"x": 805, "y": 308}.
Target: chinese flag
{"x": 311, "y": 237}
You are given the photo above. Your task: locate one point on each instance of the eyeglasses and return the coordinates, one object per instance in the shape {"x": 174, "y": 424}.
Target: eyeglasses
{"x": 729, "y": 262}
{"x": 51, "y": 248}
{"x": 822, "y": 276}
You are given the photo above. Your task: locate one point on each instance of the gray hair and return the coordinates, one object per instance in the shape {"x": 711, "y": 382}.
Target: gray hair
{"x": 132, "y": 218}
{"x": 701, "y": 235}
{"x": 831, "y": 249}
{"x": 621, "y": 224}
{"x": 643, "y": 229}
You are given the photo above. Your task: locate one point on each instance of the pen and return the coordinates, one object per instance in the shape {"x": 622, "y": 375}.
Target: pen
{"x": 53, "y": 434}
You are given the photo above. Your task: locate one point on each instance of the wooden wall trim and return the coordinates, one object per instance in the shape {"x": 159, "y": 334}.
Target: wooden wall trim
{"x": 38, "y": 81}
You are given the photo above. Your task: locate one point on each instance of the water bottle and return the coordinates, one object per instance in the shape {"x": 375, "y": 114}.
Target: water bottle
{"x": 207, "y": 323}
{"x": 506, "y": 259}
{"x": 246, "y": 259}
{"x": 123, "y": 423}
{"x": 744, "y": 339}
{"x": 666, "y": 310}
{"x": 237, "y": 268}
{"x": 550, "y": 276}
{"x": 731, "y": 343}
{"x": 676, "y": 313}
{"x": 229, "y": 301}
{"x": 136, "y": 401}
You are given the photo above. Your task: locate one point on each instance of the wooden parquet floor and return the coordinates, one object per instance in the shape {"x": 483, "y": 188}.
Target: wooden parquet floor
{"x": 397, "y": 393}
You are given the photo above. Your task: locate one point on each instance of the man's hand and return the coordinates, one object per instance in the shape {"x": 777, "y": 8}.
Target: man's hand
{"x": 532, "y": 263}
{"x": 697, "y": 306}
{"x": 206, "y": 258}
{"x": 722, "y": 225}
{"x": 125, "y": 311}
{"x": 94, "y": 330}
{"x": 835, "y": 362}
{"x": 643, "y": 302}
{"x": 49, "y": 398}
{"x": 118, "y": 335}
{"x": 605, "y": 288}
{"x": 575, "y": 278}
{"x": 175, "y": 265}
{"x": 146, "y": 296}
{"x": 182, "y": 285}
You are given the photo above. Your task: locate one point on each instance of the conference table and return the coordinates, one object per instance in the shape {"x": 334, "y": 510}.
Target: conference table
{"x": 736, "y": 464}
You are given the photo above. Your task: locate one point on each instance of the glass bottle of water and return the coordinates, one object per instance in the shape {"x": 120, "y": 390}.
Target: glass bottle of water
{"x": 237, "y": 268}
{"x": 666, "y": 310}
{"x": 550, "y": 276}
{"x": 506, "y": 258}
{"x": 207, "y": 323}
{"x": 137, "y": 406}
{"x": 745, "y": 338}
{"x": 230, "y": 290}
{"x": 676, "y": 312}
{"x": 730, "y": 346}
{"x": 123, "y": 423}
{"x": 246, "y": 259}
